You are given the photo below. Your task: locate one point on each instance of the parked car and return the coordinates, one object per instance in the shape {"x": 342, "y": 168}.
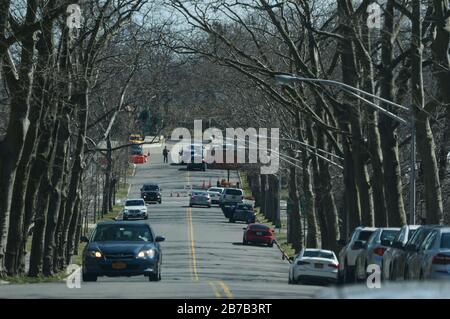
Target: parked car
{"x": 348, "y": 254}
{"x": 314, "y": 265}
{"x": 215, "y": 193}
{"x": 244, "y": 213}
{"x": 373, "y": 251}
{"x": 228, "y": 209}
{"x": 258, "y": 234}
{"x": 200, "y": 198}
{"x": 393, "y": 264}
{"x": 411, "y": 249}
{"x": 432, "y": 259}
{"x": 151, "y": 193}
{"x": 135, "y": 208}
{"x": 232, "y": 195}
{"x": 122, "y": 249}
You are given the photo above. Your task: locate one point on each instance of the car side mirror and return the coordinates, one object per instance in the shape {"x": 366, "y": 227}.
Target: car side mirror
{"x": 386, "y": 242}
{"x": 342, "y": 242}
{"x": 159, "y": 239}
{"x": 358, "y": 245}
{"x": 84, "y": 239}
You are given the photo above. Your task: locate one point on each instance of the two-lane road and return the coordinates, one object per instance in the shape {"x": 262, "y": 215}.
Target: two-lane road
{"x": 202, "y": 256}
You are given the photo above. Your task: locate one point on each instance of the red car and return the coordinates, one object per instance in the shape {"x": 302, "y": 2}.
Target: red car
{"x": 258, "y": 233}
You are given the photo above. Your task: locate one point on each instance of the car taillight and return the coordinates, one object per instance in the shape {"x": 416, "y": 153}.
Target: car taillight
{"x": 379, "y": 251}
{"x": 441, "y": 259}
{"x": 333, "y": 266}
{"x": 299, "y": 263}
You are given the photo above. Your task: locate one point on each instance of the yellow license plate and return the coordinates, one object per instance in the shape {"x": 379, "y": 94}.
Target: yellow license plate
{"x": 119, "y": 265}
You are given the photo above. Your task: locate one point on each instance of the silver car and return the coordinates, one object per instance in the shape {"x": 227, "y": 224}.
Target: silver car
{"x": 412, "y": 249}
{"x": 215, "y": 193}
{"x": 434, "y": 256}
{"x": 394, "y": 259}
{"x": 373, "y": 251}
{"x": 351, "y": 250}
{"x": 200, "y": 198}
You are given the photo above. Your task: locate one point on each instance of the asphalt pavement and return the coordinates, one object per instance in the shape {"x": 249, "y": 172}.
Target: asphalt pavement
{"x": 203, "y": 255}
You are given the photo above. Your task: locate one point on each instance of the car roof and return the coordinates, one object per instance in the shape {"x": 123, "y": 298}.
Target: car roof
{"x": 318, "y": 249}
{"x": 366, "y": 228}
{"x": 133, "y": 199}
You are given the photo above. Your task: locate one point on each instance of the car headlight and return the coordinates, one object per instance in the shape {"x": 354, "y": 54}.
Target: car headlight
{"x": 147, "y": 253}
{"x": 144, "y": 210}
{"x": 95, "y": 254}
{"x": 125, "y": 211}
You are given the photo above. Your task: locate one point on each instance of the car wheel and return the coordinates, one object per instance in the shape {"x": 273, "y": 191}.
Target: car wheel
{"x": 209, "y": 206}
{"x": 89, "y": 278}
{"x": 160, "y": 201}
{"x": 348, "y": 274}
{"x": 421, "y": 276}
{"x": 270, "y": 245}
{"x": 231, "y": 220}
{"x": 244, "y": 242}
{"x": 155, "y": 277}
{"x": 190, "y": 205}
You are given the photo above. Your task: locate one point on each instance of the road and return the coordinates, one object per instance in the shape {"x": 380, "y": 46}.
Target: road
{"x": 202, "y": 256}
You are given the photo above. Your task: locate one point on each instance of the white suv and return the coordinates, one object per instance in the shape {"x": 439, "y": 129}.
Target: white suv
{"x": 232, "y": 195}
{"x": 135, "y": 209}
{"x": 351, "y": 250}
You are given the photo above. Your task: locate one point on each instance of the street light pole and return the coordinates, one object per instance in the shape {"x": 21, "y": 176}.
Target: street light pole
{"x": 286, "y": 79}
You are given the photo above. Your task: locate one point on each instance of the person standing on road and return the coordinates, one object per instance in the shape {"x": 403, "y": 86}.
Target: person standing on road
{"x": 166, "y": 154}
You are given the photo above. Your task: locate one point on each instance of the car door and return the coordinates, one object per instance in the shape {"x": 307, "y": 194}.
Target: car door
{"x": 426, "y": 255}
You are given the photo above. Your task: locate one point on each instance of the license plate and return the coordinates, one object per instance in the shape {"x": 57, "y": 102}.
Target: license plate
{"x": 320, "y": 266}
{"x": 119, "y": 265}
{"x": 259, "y": 233}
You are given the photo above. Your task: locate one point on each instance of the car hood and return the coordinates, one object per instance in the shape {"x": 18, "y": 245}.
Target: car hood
{"x": 113, "y": 247}
{"x": 135, "y": 207}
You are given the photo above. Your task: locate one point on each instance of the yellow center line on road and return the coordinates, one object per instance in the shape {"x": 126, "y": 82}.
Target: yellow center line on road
{"x": 193, "y": 259}
{"x": 226, "y": 290}
{"x": 216, "y": 291}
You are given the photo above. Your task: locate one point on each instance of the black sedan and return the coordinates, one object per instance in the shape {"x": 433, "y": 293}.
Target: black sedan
{"x": 122, "y": 249}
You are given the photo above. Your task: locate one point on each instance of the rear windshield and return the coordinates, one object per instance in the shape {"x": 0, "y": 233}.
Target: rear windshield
{"x": 245, "y": 207}
{"x": 151, "y": 187}
{"x": 389, "y": 235}
{"x": 318, "y": 253}
{"x": 233, "y": 192}
{"x": 260, "y": 227}
{"x": 217, "y": 190}
{"x": 364, "y": 235}
{"x": 199, "y": 194}
{"x": 134, "y": 203}
{"x": 445, "y": 240}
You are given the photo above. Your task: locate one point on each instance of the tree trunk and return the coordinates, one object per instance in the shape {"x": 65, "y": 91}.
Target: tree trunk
{"x": 295, "y": 225}
{"x": 425, "y": 140}
{"x": 392, "y": 174}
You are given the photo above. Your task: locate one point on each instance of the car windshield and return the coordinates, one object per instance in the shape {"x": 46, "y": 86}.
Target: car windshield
{"x": 445, "y": 240}
{"x": 364, "y": 235}
{"x": 151, "y": 187}
{"x": 389, "y": 235}
{"x": 233, "y": 192}
{"x": 123, "y": 233}
{"x": 318, "y": 254}
{"x": 136, "y": 202}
